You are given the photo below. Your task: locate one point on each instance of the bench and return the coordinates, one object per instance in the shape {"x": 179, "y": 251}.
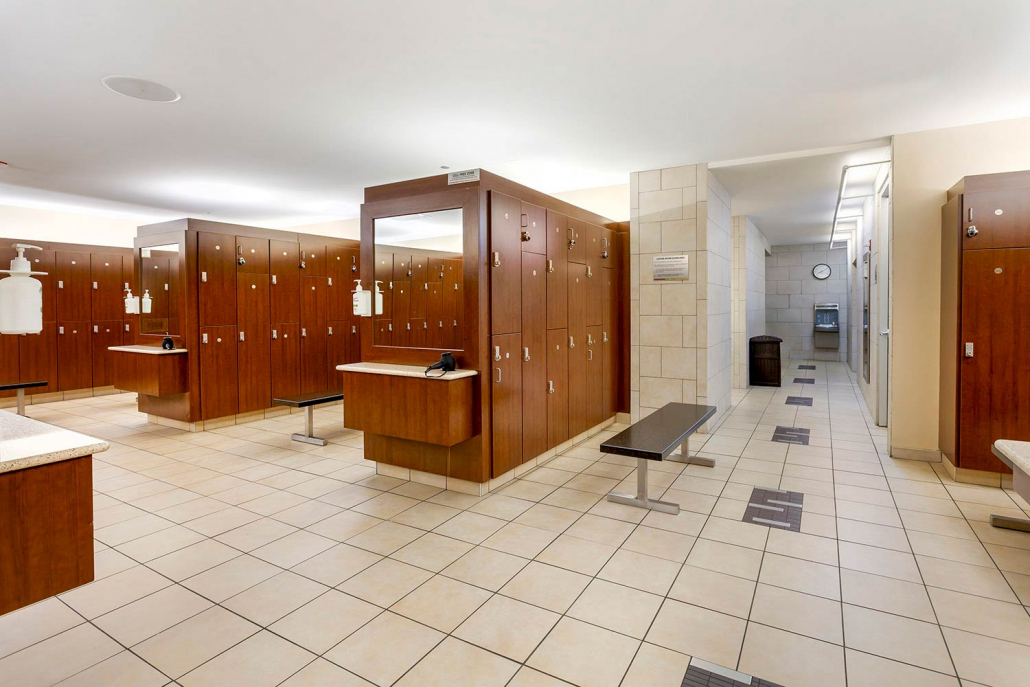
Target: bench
{"x": 308, "y": 403}
{"x": 1015, "y": 454}
{"x": 655, "y": 438}
{"x": 20, "y": 387}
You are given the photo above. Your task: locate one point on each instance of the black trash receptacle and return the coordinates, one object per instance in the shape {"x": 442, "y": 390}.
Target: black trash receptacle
{"x": 764, "y": 360}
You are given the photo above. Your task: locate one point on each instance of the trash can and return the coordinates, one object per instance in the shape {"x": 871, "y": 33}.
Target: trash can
{"x": 764, "y": 360}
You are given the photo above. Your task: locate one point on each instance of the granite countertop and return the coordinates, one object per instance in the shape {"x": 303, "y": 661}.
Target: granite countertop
{"x": 149, "y": 350}
{"x": 1015, "y": 454}
{"x": 405, "y": 371}
{"x": 26, "y": 443}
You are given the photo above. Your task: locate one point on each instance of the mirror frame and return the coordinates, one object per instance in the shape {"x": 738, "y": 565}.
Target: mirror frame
{"x": 154, "y": 241}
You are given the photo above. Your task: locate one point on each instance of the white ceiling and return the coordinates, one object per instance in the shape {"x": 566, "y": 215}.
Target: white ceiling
{"x": 289, "y": 109}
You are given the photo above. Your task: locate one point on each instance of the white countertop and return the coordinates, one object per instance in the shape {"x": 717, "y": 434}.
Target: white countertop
{"x": 405, "y": 371}
{"x": 26, "y": 443}
{"x": 149, "y": 350}
{"x": 1015, "y": 453}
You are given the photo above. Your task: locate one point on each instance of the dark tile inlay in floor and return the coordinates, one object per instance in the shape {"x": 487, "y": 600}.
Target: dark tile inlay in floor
{"x": 699, "y": 677}
{"x": 799, "y": 380}
{"x": 799, "y": 401}
{"x": 806, "y": 367}
{"x": 792, "y": 435}
{"x": 775, "y": 508}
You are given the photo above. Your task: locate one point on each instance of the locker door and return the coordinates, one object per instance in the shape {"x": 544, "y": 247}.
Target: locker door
{"x": 9, "y": 361}
{"x": 609, "y": 248}
{"x": 576, "y": 235}
{"x": 557, "y": 271}
{"x": 283, "y": 265}
{"x": 401, "y": 313}
{"x": 418, "y": 304}
{"x": 312, "y": 259}
{"x": 435, "y": 270}
{"x": 219, "y": 383}
{"x": 557, "y": 386}
{"x": 592, "y": 243}
{"x": 342, "y": 271}
{"x": 402, "y": 267}
{"x": 254, "y": 353}
{"x": 1002, "y": 218}
{"x": 75, "y": 366}
{"x": 384, "y": 268}
{"x": 506, "y": 264}
{"x": 352, "y": 345}
{"x": 419, "y": 332}
{"x": 419, "y": 268}
{"x": 251, "y": 255}
{"x": 506, "y": 401}
{"x": 595, "y": 281}
{"x": 128, "y": 278}
{"x": 577, "y": 346}
{"x": 534, "y": 355}
{"x": 454, "y": 289}
{"x": 595, "y": 376}
{"x": 129, "y": 331}
{"x": 383, "y": 332}
{"x": 338, "y": 334}
{"x": 609, "y": 337}
{"x": 285, "y": 354}
{"x": 216, "y": 293}
{"x": 105, "y": 334}
{"x": 436, "y": 312}
{"x": 37, "y": 354}
{"x": 313, "y": 332}
{"x": 106, "y": 275}
{"x": 74, "y": 289}
{"x": 534, "y": 229}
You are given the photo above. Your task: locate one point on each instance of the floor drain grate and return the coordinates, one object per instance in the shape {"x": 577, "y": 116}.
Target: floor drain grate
{"x": 799, "y": 401}
{"x": 806, "y": 367}
{"x": 719, "y": 677}
{"x": 792, "y": 435}
{"x": 800, "y": 380}
{"x": 775, "y": 508}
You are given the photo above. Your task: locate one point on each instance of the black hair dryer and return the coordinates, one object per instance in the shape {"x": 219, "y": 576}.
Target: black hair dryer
{"x": 446, "y": 363}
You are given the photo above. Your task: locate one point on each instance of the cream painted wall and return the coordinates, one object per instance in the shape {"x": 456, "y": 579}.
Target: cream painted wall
{"x": 926, "y": 165}
{"x": 608, "y": 201}
{"x": 65, "y": 227}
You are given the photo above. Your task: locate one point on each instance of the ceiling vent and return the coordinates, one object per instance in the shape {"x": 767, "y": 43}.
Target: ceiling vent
{"x": 838, "y": 244}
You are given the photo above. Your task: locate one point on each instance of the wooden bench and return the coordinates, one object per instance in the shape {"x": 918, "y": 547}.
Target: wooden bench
{"x": 1015, "y": 454}
{"x": 20, "y": 387}
{"x": 308, "y": 403}
{"x": 655, "y": 438}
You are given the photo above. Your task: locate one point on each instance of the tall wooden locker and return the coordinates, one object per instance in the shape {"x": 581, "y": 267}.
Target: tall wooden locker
{"x": 609, "y": 347}
{"x": 104, "y": 334}
{"x": 384, "y": 275}
{"x": 285, "y": 355}
{"x": 557, "y": 386}
{"x": 594, "y": 379}
{"x": 314, "y": 325}
{"x": 336, "y": 347}
{"x": 435, "y": 316}
{"x": 352, "y": 338}
{"x": 575, "y": 241}
{"x": 401, "y": 313}
{"x": 254, "y": 342}
{"x": 534, "y": 229}
{"x": 557, "y": 271}
{"x": 75, "y": 364}
{"x": 251, "y": 255}
{"x": 506, "y": 264}
{"x": 534, "y": 355}
{"x": 74, "y": 287}
{"x": 577, "y": 347}
{"x": 595, "y": 281}
{"x": 506, "y": 401}
{"x": 106, "y": 275}
{"x": 342, "y": 269}
{"x": 284, "y": 290}
{"x": 216, "y": 293}
{"x": 313, "y": 259}
{"x": 609, "y": 248}
{"x": 219, "y": 380}
{"x": 37, "y": 354}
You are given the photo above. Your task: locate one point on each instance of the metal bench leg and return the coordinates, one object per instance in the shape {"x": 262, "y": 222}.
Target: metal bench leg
{"x": 309, "y": 429}
{"x": 686, "y": 458}
{"x": 1006, "y": 523}
{"x": 641, "y": 500}
{"x": 21, "y": 401}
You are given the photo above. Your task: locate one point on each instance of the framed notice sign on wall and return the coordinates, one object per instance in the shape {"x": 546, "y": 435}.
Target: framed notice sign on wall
{"x": 670, "y": 267}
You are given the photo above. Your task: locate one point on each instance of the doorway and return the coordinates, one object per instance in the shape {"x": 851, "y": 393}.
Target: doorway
{"x": 882, "y": 285}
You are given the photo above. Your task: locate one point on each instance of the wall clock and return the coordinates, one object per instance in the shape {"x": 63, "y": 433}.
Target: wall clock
{"x": 821, "y": 271}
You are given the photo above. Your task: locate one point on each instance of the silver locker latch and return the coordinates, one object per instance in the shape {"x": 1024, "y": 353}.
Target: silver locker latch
{"x": 273, "y": 278}
{"x": 525, "y": 354}
{"x": 242, "y": 337}
{"x": 203, "y": 338}
{"x": 572, "y": 343}
{"x": 126, "y": 327}
{"x": 96, "y": 329}
{"x": 497, "y": 259}
{"x": 60, "y": 330}
{"x": 203, "y": 277}
{"x": 969, "y": 349}
{"x": 389, "y": 327}
{"x": 60, "y": 284}
{"x": 590, "y": 272}
{"x": 550, "y": 387}
{"x": 497, "y": 352}
{"x": 275, "y": 334}
{"x": 303, "y": 332}
{"x": 354, "y": 329}
{"x": 604, "y": 337}
{"x": 94, "y": 286}
{"x": 330, "y": 331}
{"x": 330, "y": 281}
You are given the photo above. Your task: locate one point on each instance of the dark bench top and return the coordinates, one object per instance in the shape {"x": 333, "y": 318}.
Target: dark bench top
{"x": 660, "y": 433}
{"x": 312, "y": 399}
{"x": 14, "y": 386}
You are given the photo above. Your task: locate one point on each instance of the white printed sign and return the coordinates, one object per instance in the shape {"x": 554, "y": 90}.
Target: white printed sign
{"x": 670, "y": 267}
{"x": 462, "y": 177}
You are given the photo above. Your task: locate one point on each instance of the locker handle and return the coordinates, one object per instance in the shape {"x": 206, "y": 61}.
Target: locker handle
{"x": 498, "y": 375}
{"x": 425, "y": 325}
{"x": 441, "y": 324}
{"x": 590, "y": 272}
{"x": 330, "y": 281}
{"x": 497, "y": 259}
{"x": 425, "y": 287}
{"x": 94, "y": 286}
{"x": 303, "y": 331}
{"x": 203, "y": 277}
{"x": 497, "y": 352}
{"x": 390, "y": 326}
{"x": 409, "y": 326}
{"x": 166, "y": 287}
{"x": 572, "y": 343}
{"x": 60, "y": 330}
{"x": 604, "y": 337}
{"x": 96, "y": 329}
{"x": 526, "y": 237}
{"x": 353, "y": 268}
{"x": 590, "y": 354}
{"x": 126, "y": 327}
{"x": 60, "y": 284}
{"x": 525, "y": 354}
{"x": 455, "y": 287}
{"x": 242, "y": 338}
{"x": 391, "y": 286}
{"x": 550, "y": 387}
{"x": 203, "y": 338}
{"x": 273, "y": 279}
{"x": 550, "y": 265}
{"x": 590, "y": 340}
{"x": 275, "y": 334}
{"x": 524, "y": 220}
{"x": 354, "y": 329}
{"x": 330, "y": 331}
{"x": 455, "y": 323}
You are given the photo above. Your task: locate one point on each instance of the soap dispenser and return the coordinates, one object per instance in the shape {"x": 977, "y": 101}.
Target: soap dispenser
{"x": 21, "y": 296}
{"x": 131, "y": 303}
{"x": 362, "y": 301}
{"x": 146, "y": 301}
{"x": 379, "y": 298}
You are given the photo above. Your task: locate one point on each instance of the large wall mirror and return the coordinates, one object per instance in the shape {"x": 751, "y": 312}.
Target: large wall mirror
{"x": 418, "y": 268}
{"x": 160, "y": 290}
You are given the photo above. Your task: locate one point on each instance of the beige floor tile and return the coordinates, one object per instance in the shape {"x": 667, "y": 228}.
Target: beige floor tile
{"x": 936, "y": 524}
{"x": 31, "y": 624}
{"x": 385, "y": 648}
{"x": 572, "y": 499}
{"x": 432, "y": 552}
{"x": 333, "y": 566}
{"x": 501, "y": 506}
{"x": 1010, "y": 559}
{"x": 230, "y": 578}
{"x": 135, "y": 528}
{"x": 550, "y": 518}
{"x": 790, "y": 659}
{"x": 426, "y": 516}
{"x": 108, "y": 561}
{"x": 259, "y": 661}
{"x": 902, "y": 639}
{"x": 529, "y": 491}
{"x": 805, "y": 546}
{"x": 726, "y": 558}
{"x": 256, "y": 534}
{"x": 950, "y": 548}
{"x": 348, "y": 495}
{"x": 864, "y": 512}
{"x": 160, "y": 543}
{"x": 508, "y": 627}
{"x": 183, "y": 647}
{"x": 1020, "y": 585}
{"x": 713, "y": 590}
{"x": 697, "y": 631}
{"x": 578, "y": 555}
{"x": 293, "y": 549}
{"x": 804, "y": 614}
{"x": 121, "y": 669}
{"x": 546, "y": 586}
{"x": 441, "y": 603}
{"x": 343, "y": 526}
{"x": 686, "y": 522}
{"x": 866, "y": 670}
{"x": 95, "y": 599}
{"x": 601, "y": 530}
{"x": 142, "y": 619}
{"x": 617, "y": 608}
{"x": 222, "y": 521}
{"x": 660, "y": 543}
{"x": 78, "y": 648}
{"x": 306, "y": 514}
{"x": 385, "y": 538}
{"x": 986, "y": 660}
{"x": 325, "y": 621}
{"x": 386, "y": 582}
{"x": 640, "y": 571}
{"x": 801, "y": 576}
{"x": 819, "y": 525}
{"x": 654, "y": 665}
{"x": 886, "y": 594}
{"x": 193, "y": 559}
{"x": 527, "y": 677}
{"x": 883, "y": 536}
{"x": 485, "y": 568}
{"x": 584, "y": 655}
{"x": 592, "y": 484}
{"x": 454, "y": 663}
{"x": 871, "y": 559}
{"x": 520, "y": 540}
{"x": 416, "y": 490}
{"x": 735, "y": 532}
{"x": 997, "y": 619}
{"x": 969, "y": 579}
{"x": 470, "y": 527}
{"x": 268, "y": 601}
{"x": 320, "y": 673}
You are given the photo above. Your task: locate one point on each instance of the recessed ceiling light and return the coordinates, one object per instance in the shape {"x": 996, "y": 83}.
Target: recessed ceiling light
{"x": 141, "y": 89}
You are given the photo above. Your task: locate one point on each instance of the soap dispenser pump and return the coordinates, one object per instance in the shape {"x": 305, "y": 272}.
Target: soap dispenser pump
{"x": 362, "y": 301}
{"x": 21, "y": 296}
{"x": 379, "y": 298}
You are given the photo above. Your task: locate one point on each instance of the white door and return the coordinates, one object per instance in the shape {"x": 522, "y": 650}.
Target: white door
{"x": 882, "y": 324}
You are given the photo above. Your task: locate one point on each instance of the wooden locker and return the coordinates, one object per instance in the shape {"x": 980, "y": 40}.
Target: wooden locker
{"x": 129, "y": 330}
{"x": 384, "y": 268}
{"x": 418, "y": 306}
{"x": 104, "y": 334}
{"x": 251, "y": 255}
{"x": 534, "y": 355}
{"x": 575, "y": 237}
{"x": 609, "y": 346}
{"x": 219, "y": 380}
{"x": 74, "y": 357}
{"x": 129, "y": 276}
{"x": 312, "y": 259}
{"x": 45, "y": 261}
{"x": 506, "y": 264}
{"x": 557, "y": 271}
{"x": 506, "y": 402}
{"x": 435, "y": 270}
{"x": 557, "y": 386}
{"x": 314, "y": 324}
{"x": 595, "y": 285}
{"x": 577, "y": 349}
{"x": 402, "y": 267}
{"x": 383, "y": 332}
{"x": 401, "y": 313}
{"x": 9, "y": 361}
{"x": 342, "y": 270}
{"x": 216, "y": 293}
{"x": 37, "y": 354}
{"x": 419, "y": 268}
{"x": 1000, "y": 217}
{"x": 594, "y": 378}
{"x": 106, "y": 275}
{"x": 74, "y": 288}
{"x": 337, "y": 350}
{"x": 592, "y": 243}
{"x": 534, "y": 229}
{"x": 419, "y": 333}
{"x": 284, "y": 269}
{"x": 609, "y": 248}
{"x": 436, "y": 315}
{"x": 352, "y": 347}
{"x": 254, "y": 336}
{"x": 285, "y": 356}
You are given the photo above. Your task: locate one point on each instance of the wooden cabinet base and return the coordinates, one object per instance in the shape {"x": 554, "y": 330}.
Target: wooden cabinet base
{"x": 46, "y": 531}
